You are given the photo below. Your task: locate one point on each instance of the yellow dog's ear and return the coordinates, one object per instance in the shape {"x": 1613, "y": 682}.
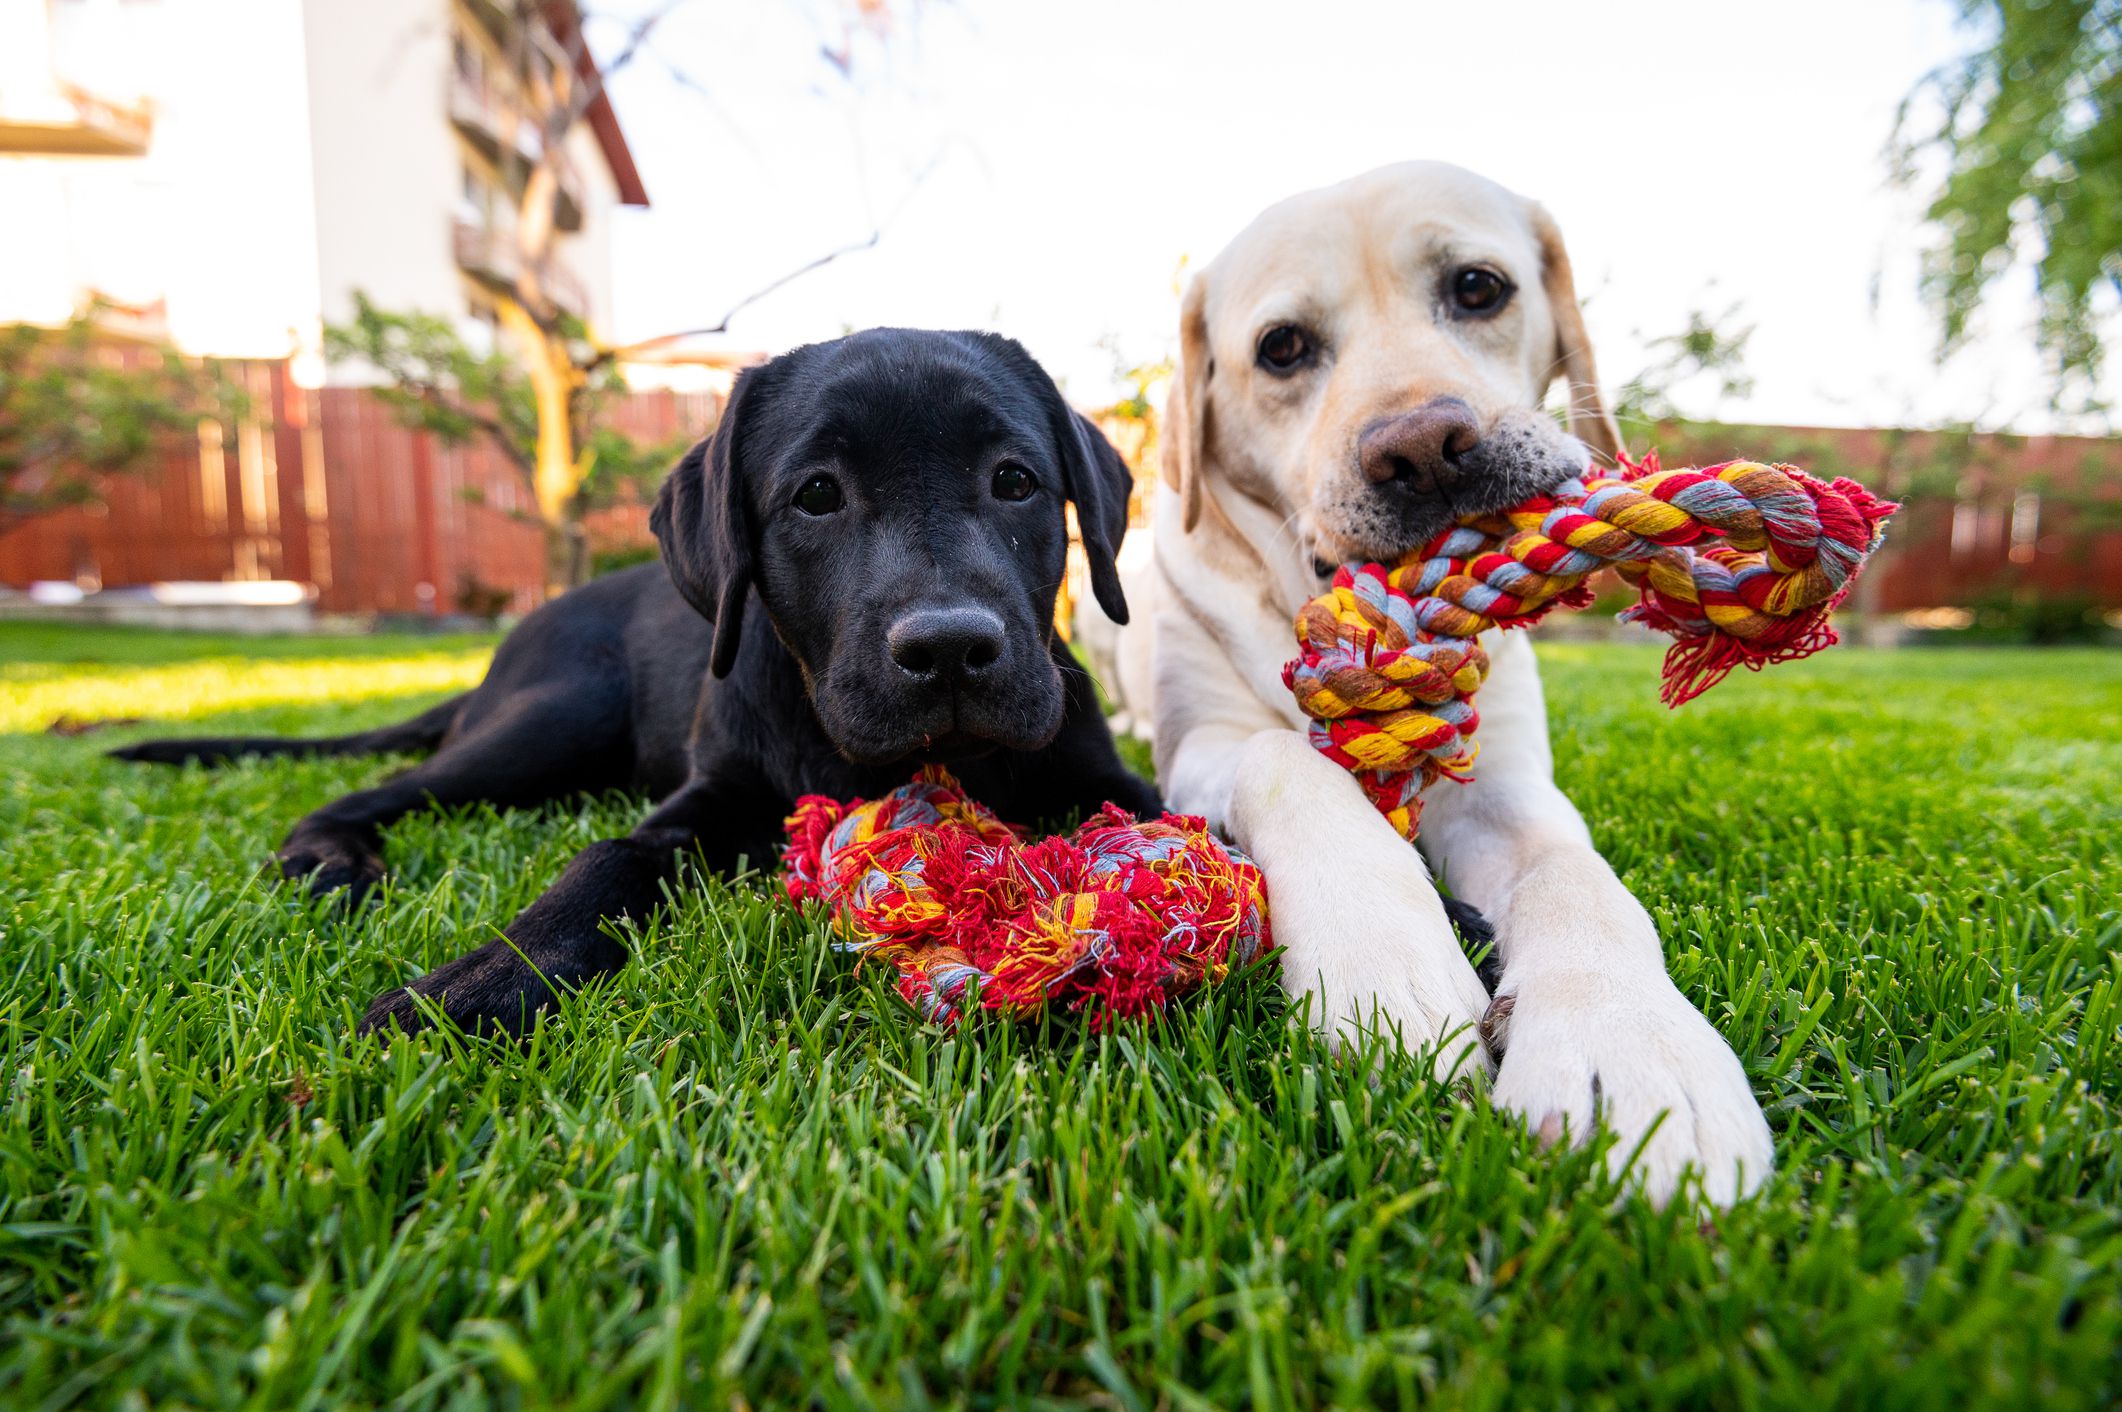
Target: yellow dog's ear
{"x": 1186, "y": 409}
{"x": 1589, "y": 421}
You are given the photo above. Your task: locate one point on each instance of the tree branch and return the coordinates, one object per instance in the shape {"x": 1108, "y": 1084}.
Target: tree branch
{"x": 583, "y": 92}
{"x": 435, "y": 395}
{"x": 722, "y": 325}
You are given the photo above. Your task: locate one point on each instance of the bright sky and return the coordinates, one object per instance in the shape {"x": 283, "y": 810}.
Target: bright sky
{"x": 1044, "y": 169}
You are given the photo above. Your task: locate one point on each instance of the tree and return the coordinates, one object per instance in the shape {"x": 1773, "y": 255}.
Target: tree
{"x": 435, "y": 381}
{"x": 77, "y": 406}
{"x": 2028, "y": 127}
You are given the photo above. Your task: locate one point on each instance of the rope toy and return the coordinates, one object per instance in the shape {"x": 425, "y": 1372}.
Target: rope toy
{"x": 1111, "y": 920}
{"x": 1741, "y": 563}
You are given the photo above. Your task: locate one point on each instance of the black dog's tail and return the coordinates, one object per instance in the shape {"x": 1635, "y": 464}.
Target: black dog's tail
{"x": 422, "y": 733}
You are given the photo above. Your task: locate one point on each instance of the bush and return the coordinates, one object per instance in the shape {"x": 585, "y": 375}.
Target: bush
{"x": 2030, "y": 617}
{"x": 610, "y": 561}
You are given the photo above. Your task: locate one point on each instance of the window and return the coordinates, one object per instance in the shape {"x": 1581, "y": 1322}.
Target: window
{"x": 474, "y": 196}
{"x": 2025, "y": 525}
{"x": 1967, "y": 527}
{"x": 471, "y": 67}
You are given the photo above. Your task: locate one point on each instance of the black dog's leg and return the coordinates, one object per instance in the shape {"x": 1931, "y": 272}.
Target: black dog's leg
{"x": 560, "y": 939}
{"x": 1123, "y": 787}
{"x": 535, "y": 746}
{"x": 1052, "y": 794}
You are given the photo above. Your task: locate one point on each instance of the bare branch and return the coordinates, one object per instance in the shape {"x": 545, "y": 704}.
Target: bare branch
{"x": 722, "y": 325}
{"x": 706, "y": 95}
{"x": 585, "y": 91}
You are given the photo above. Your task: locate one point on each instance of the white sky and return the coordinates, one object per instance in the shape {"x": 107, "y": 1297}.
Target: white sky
{"x": 1697, "y": 155}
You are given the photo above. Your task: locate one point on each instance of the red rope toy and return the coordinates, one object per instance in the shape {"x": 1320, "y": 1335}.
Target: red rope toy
{"x": 1111, "y": 920}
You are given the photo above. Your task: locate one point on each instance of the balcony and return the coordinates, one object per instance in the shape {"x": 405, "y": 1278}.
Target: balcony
{"x": 489, "y": 256}
{"x": 510, "y": 139}
{"x": 67, "y": 122}
{"x": 490, "y": 121}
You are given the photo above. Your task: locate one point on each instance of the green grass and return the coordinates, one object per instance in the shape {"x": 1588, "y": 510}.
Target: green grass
{"x": 743, "y": 1175}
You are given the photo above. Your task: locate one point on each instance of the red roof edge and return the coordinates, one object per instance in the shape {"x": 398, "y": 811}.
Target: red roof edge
{"x": 603, "y": 119}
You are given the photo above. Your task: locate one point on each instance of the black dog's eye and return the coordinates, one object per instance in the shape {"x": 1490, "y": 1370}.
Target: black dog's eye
{"x": 1479, "y": 290}
{"x": 1285, "y": 348}
{"x": 820, "y": 495}
{"x": 1013, "y": 482}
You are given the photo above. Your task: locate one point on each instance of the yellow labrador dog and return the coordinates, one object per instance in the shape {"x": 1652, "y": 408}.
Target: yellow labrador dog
{"x": 1360, "y": 366}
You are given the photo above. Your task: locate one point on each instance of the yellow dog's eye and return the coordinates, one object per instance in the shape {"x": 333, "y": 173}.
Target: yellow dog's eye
{"x": 1285, "y": 348}
{"x": 1479, "y": 291}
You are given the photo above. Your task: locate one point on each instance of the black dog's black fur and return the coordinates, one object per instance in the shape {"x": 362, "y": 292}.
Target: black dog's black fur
{"x": 911, "y": 623}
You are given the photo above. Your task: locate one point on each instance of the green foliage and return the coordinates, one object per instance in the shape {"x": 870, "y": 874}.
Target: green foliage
{"x": 622, "y": 471}
{"x": 2028, "y": 127}
{"x": 1138, "y": 377}
{"x": 2030, "y": 616}
{"x": 742, "y": 1174}
{"x": 1709, "y": 353}
{"x": 437, "y": 382}
{"x": 77, "y": 405}
{"x": 610, "y": 561}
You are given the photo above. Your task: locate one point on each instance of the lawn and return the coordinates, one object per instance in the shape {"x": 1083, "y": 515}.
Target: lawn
{"x": 743, "y": 1175}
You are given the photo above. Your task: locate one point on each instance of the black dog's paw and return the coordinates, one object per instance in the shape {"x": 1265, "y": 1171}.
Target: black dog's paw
{"x": 1136, "y": 795}
{"x": 491, "y": 992}
{"x": 328, "y": 863}
{"x": 1478, "y": 938}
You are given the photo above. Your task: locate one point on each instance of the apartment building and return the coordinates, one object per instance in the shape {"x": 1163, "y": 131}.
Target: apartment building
{"x": 226, "y": 173}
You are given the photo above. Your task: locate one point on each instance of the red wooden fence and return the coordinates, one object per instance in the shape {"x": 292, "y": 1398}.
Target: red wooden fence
{"x": 1983, "y": 515}
{"x": 325, "y": 487}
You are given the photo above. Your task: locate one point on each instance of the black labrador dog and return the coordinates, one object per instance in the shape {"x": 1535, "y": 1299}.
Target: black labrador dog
{"x": 888, "y": 508}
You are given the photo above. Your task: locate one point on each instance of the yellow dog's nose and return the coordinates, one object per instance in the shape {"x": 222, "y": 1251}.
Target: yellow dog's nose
{"x": 1420, "y": 449}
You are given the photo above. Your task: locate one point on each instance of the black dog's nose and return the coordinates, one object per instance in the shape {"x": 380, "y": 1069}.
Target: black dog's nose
{"x": 946, "y": 645}
{"x": 1422, "y": 449}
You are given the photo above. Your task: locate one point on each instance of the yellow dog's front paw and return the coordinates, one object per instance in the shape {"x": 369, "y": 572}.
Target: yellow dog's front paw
{"x": 1628, "y": 1051}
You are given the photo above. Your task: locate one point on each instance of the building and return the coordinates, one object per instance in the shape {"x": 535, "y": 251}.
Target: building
{"x": 231, "y": 171}
{"x": 224, "y": 175}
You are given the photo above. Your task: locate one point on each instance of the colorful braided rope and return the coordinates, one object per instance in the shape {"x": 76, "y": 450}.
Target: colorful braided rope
{"x": 1741, "y": 563}
{"x": 1110, "y": 921}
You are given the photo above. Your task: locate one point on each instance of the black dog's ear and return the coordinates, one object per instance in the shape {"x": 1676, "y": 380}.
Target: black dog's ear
{"x": 1100, "y": 484}
{"x": 702, "y": 523}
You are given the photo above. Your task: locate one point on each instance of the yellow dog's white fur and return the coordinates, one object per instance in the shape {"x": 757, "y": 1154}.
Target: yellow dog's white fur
{"x": 1261, "y": 481}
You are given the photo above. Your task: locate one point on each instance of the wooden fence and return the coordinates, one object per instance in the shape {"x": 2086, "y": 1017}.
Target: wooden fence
{"x": 1985, "y": 516}
{"x": 326, "y": 487}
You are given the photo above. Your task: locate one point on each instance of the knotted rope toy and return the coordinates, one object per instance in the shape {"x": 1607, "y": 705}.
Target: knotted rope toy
{"x": 1111, "y": 920}
{"x": 1741, "y": 563}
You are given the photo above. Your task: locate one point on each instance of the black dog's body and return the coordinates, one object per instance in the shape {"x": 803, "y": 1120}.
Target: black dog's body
{"x": 910, "y": 622}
